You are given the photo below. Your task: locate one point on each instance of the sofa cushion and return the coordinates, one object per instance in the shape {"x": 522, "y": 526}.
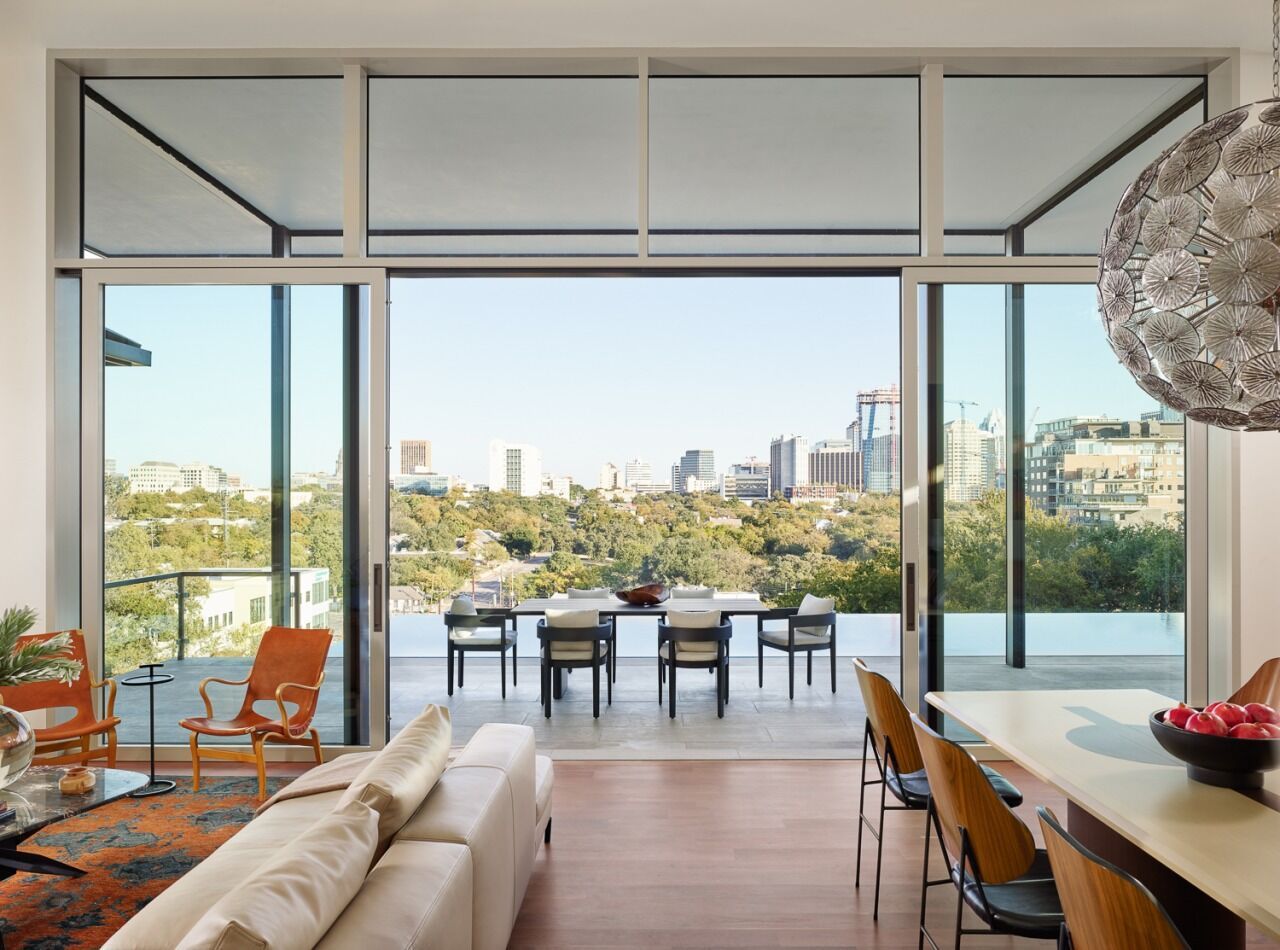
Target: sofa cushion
{"x": 472, "y": 806}
{"x": 417, "y": 896}
{"x": 397, "y": 781}
{"x": 173, "y": 912}
{"x": 295, "y": 896}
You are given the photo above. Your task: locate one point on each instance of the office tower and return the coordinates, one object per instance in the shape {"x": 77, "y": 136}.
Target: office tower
{"x": 877, "y": 427}
{"x": 637, "y": 472}
{"x": 749, "y": 486}
{"x": 699, "y": 463}
{"x": 515, "y": 467}
{"x": 415, "y": 456}
{"x": 788, "y": 463}
{"x": 154, "y": 477}
{"x": 834, "y": 462}
{"x": 750, "y": 466}
{"x": 970, "y": 461}
{"x": 610, "y": 477}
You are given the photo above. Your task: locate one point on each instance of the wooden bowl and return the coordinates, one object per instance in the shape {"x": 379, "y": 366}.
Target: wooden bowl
{"x": 647, "y": 595}
{"x": 1217, "y": 760}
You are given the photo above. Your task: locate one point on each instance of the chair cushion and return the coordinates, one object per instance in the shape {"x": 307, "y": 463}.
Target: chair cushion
{"x": 773, "y": 634}
{"x": 573, "y": 618}
{"x": 694, "y": 652}
{"x": 463, "y": 606}
{"x": 815, "y": 605}
{"x": 296, "y": 896}
{"x": 693, "y": 593}
{"x": 487, "y": 636}
{"x": 572, "y": 650}
{"x": 912, "y": 788}
{"x": 1027, "y": 906}
{"x": 397, "y": 781}
{"x": 590, "y": 593}
{"x": 693, "y": 619}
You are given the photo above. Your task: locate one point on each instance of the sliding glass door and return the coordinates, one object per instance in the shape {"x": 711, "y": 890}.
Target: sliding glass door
{"x": 232, "y": 474}
{"x": 1056, "y": 528}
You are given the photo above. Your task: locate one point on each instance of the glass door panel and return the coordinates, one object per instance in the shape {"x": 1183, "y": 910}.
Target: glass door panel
{"x": 225, "y": 498}
{"x": 1057, "y": 500}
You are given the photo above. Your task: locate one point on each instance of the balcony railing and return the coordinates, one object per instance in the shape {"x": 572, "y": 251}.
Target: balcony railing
{"x": 181, "y": 578}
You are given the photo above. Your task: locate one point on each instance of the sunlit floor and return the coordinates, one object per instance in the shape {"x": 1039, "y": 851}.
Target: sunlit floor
{"x": 759, "y": 723}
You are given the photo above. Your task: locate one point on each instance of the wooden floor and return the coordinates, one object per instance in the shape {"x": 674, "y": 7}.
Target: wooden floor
{"x": 733, "y": 854}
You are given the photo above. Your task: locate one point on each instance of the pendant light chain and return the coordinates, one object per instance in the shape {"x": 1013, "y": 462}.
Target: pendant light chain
{"x": 1275, "y": 48}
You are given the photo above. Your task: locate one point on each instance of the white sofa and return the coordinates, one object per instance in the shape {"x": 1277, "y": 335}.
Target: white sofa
{"x": 453, "y": 876}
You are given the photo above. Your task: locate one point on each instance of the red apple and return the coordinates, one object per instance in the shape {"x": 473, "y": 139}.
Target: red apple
{"x": 1178, "y": 715}
{"x": 1261, "y": 712}
{"x": 1229, "y": 713}
{"x": 1206, "y": 723}
{"x": 1272, "y": 729}
{"x": 1248, "y": 730}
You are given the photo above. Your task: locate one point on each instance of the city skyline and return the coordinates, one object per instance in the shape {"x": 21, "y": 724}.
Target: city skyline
{"x": 578, "y": 366}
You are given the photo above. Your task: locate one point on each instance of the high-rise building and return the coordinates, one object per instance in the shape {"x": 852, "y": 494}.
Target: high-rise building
{"x": 696, "y": 463}
{"x": 515, "y": 467}
{"x": 970, "y": 461}
{"x": 877, "y": 428}
{"x": 834, "y": 462}
{"x": 108, "y": 467}
{"x": 1107, "y": 471}
{"x": 788, "y": 463}
{"x": 750, "y": 466}
{"x": 200, "y": 475}
{"x": 559, "y": 485}
{"x": 637, "y": 472}
{"x": 610, "y": 477}
{"x": 994, "y": 426}
{"x": 415, "y": 456}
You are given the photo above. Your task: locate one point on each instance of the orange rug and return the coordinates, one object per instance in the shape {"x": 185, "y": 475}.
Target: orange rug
{"x": 132, "y": 850}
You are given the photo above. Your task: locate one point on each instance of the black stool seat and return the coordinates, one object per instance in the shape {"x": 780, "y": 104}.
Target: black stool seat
{"x": 1027, "y": 906}
{"x": 912, "y": 788}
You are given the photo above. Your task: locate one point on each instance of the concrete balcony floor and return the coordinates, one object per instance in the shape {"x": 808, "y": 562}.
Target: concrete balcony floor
{"x": 759, "y": 723}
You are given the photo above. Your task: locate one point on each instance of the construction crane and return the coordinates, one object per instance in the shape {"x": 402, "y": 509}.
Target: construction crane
{"x": 961, "y": 403}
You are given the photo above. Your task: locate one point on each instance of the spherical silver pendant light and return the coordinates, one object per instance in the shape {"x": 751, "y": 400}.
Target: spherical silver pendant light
{"x": 1189, "y": 269}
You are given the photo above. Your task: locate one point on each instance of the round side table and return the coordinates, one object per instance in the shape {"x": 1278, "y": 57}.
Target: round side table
{"x": 151, "y": 679}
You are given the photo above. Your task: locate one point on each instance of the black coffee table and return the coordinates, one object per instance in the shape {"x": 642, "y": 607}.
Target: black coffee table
{"x": 38, "y": 803}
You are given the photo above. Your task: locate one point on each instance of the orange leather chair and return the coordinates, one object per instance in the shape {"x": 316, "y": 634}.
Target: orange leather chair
{"x": 78, "y": 731}
{"x": 288, "y": 668}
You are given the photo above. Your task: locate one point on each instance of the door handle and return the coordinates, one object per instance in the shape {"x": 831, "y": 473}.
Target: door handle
{"x": 911, "y": 596}
{"x": 377, "y": 598}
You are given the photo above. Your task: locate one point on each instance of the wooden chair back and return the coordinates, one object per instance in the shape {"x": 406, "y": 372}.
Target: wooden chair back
{"x": 1263, "y": 685}
{"x": 889, "y": 718}
{"x": 30, "y": 697}
{"x": 289, "y": 655}
{"x": 723, "y": 632}
{"x": 1000, "y": 844}
{"x": 1105, "y": 907}
{"x": 572, "y": 635}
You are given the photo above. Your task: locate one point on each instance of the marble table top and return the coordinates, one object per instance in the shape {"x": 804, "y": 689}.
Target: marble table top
{"x": 37, "y": 801}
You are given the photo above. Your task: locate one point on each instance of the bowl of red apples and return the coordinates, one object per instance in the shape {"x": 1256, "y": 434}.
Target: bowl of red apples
{"x": 1223, "y": 744}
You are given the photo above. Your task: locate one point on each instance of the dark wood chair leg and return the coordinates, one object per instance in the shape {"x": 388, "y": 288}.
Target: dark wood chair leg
{"x": 515, "y": 664}
{"x": 546, "y": 685}
{"x": 557, "y": 682}
{"x": 791, "y": 675}
{"x": 462, "y": 657}
{"x": 502, "y": 672}
{"x": 726, "y": 676}
{"x": 760, "y": 660}
{"x": 595, "y": 688}
{"x": 808, "y": 673}
{"x": 671, "y": 687}
{"x": 719, "y": 671}
{"x": 450, "y": 651}
{"x": 661, "y": 678}
{"x": 608, "y": 676}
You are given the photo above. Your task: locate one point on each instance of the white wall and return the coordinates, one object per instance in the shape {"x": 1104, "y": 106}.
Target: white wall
{"x": 29, "y": 27}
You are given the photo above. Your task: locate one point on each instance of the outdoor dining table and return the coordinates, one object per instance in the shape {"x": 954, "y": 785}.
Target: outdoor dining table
{"x": 749, "y": 605}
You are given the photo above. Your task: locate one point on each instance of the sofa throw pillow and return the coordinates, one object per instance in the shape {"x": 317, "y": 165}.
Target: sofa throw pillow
{"x": 463, "y": 605}
{"x": 294, "y": 898}
{"x": 401, "y": 776}
{"x": 815, "y": 605}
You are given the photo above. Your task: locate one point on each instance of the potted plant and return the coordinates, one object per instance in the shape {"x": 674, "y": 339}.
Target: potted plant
{"x": 35, "y": 661}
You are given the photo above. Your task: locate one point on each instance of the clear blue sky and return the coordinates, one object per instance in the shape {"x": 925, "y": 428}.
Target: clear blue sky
{"x": 589, "y": 369}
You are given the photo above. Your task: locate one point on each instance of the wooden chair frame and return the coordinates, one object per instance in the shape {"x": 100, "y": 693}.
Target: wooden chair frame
{"x": 795, "y": 620}
{"x": 718, "y": 664}
{"x": 257, "y": 739}
{"x": 74, "y": 750}
{"x": 482, "y": 618}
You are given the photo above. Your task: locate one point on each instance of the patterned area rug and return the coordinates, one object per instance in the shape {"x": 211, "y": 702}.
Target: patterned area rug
{"x": 132, "y": 850}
